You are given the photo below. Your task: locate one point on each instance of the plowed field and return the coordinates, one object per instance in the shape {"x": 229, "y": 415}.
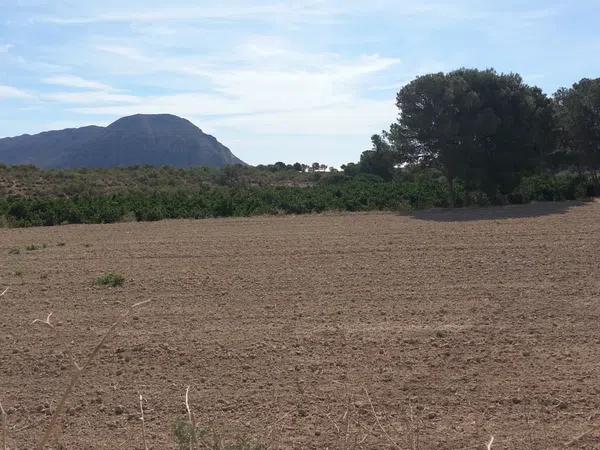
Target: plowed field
{"x": 437, "y": 330}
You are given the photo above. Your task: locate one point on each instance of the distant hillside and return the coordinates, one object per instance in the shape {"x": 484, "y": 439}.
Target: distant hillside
{"x": 154, "y": 140}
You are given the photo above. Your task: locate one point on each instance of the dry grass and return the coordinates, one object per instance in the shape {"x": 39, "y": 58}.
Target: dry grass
{"x": 191, "y": 419}
{"x": 4, "y": 428}
{"x": 77, "y": 372}
{"x": 143, "y": 423}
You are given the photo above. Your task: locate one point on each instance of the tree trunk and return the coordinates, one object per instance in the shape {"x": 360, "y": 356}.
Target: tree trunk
{"x": 451, "y": 199}
{"x": 596, "y": 183}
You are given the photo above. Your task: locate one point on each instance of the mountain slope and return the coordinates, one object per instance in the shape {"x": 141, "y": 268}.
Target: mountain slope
{"x": 154, "y": 140}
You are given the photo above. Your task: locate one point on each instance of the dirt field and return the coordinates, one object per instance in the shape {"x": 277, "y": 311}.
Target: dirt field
{"x": 459, "y": 325}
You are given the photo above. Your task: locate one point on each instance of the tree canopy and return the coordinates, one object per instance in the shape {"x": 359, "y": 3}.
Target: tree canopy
{"x": 485, "y": 128}
{"x": 578, "y": 112}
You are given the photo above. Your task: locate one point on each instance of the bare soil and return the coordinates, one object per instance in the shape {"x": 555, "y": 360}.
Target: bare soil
{"x": 336, "y": 331}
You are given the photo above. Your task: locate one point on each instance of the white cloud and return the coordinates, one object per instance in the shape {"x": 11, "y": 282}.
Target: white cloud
{"x": 12, "y": 92}
{"x": 4, "y": 48}
{"x": 299, "y": 11}
{"x": 91, "y": 97}
{"x": 286, "y": 86}
{"x": 124, "y": 52}
{"x": 76, "y": 82}
{"x": 356, "y": 117}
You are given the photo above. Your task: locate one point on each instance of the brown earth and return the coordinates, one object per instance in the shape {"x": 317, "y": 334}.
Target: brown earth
{"x": 459, "y": 325}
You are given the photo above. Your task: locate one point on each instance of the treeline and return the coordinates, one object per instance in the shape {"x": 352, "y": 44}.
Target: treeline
{"x": 30, "y": 181}
{"x": 488, "y": 131}
{"x": 417, "y": 190}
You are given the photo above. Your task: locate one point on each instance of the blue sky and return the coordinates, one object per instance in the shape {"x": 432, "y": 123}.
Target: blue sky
{"x": 305, "y": 80}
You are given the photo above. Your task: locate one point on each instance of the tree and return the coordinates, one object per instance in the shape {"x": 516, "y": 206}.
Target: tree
{"x": 481, "y": 127}
{"x": 381, "y": 160}
{"x": 351, "y": 169}
{"x": 298, "y": 167}
{"x": 578, "y": 112}
{"x": 279, "y": 166}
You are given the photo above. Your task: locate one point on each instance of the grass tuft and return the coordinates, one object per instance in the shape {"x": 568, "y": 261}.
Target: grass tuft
{"x": 111, "y": 280}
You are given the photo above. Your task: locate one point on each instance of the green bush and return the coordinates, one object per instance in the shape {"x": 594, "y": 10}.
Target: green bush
{"x": 110, "y": 279}
{"x": 566, "y": 186}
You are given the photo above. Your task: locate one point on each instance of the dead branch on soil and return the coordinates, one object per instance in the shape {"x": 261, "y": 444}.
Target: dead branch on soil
{"x": 489, "y": 444}
{"x": 78, "y": 371}
{"x": 44, "y": 322}
{"x": 4, "y": 292}
{"x": 143, "y": 422}
{"x": 4, "y": 428}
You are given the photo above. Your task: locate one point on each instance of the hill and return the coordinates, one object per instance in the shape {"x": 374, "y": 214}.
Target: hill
{"x": 153, "y": 140}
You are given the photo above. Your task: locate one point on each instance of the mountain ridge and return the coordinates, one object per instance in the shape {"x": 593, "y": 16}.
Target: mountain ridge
{"x": 140, "y": 139}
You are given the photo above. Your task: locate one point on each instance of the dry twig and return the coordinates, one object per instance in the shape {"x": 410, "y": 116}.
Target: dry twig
{"x": 191, "y": 419}
{"x": 45, "y": 322}
{"x": 4, "y": 428}
{"x": 581, "y": 436}
{"x": 489, "y": 444}
{"x": 4, "y": 292}
{"x": 78, "y": 371}
{"x": 385, "y": 433}
{"x": 143, "y": 422}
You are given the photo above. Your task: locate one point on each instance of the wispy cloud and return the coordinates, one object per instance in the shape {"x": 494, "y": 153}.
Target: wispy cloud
{"x": 72, "y": 81}
{"x": 91, "y": 97}
{"x": 288, "y": 81}
{"x": 4, "y": 48}
{"x": 227, "y": 10}
{"x": 124, "y": 52}
{"x": 8, "y": 92}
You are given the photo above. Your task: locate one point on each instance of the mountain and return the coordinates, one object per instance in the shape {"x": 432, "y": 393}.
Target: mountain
{"x": 155, "y": 140}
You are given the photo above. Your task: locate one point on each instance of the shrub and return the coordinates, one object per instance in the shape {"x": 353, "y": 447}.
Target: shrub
{"x": 566, "y": 186}
{"x": 187, "y": 438}
{"x": 110, "y": 279}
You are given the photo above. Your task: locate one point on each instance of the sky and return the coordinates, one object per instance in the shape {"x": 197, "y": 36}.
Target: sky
{"x": 274, "y": 80}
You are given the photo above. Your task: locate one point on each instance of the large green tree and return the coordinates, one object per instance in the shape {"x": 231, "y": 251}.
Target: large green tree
{"x": 578, "y": 111}
{"x": 484, "y": 128}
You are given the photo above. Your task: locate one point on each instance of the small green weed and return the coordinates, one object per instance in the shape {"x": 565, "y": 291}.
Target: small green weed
{"x": 32, "y": 247}
{"x": 110, "y": 279}
{"x": 184, "y": 435}
{"x": 14, "y": 251}
{"x": 187, "y": 439}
